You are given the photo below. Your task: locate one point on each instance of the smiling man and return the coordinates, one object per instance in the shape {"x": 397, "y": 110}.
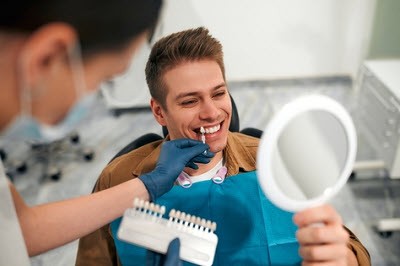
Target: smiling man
{"x": 197, "y": 97}
{"x": 186, "y": 77}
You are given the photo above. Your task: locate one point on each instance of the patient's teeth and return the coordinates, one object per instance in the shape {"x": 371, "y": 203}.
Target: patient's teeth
{"x": 212, "y": 129}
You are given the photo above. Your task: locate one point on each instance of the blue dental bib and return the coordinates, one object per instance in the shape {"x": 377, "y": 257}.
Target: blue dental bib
{"x": 250, "y": 229}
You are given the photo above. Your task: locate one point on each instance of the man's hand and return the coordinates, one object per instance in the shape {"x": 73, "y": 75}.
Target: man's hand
{"x": 175, "y": 155}
{"x": 322, "y": 237}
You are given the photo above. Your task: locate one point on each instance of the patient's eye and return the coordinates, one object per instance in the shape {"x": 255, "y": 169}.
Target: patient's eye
{"x": 188, "y": 102}
{"x": 220, "y": 94}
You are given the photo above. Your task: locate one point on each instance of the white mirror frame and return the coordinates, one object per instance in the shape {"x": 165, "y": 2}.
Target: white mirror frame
{"x": 269, "y": 142}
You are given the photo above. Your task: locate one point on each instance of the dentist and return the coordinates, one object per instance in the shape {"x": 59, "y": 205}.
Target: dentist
{"x": 53, "y": 53}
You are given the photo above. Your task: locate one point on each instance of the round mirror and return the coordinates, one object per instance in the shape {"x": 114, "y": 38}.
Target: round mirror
{"x": 306, "y": 153}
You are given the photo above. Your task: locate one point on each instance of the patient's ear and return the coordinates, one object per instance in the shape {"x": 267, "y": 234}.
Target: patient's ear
{"x": 158, "y": 112}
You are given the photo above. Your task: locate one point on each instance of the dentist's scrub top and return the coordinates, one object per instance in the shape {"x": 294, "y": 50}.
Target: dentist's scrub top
{"x": 12, "y": 245}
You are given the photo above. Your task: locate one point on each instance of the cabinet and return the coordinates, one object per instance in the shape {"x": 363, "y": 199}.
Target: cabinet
{"x": 379, "y": 110}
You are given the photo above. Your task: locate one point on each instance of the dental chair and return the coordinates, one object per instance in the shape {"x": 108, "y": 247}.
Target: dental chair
{"x": 150, "y": 137}
{"x": 47, "y": 155}
{"x": 66, "y": 148}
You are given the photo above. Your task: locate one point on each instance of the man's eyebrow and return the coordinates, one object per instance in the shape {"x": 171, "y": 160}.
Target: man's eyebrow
{"x": 193, "y": 93}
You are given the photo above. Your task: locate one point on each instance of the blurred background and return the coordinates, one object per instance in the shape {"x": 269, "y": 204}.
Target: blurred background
{"x": 274, "y": 51}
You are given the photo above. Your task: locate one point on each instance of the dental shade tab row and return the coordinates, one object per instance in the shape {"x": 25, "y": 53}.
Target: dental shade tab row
{"x": 142, "y": 207}
{"x": 144, "y": 225}
{"x": 191, "y": 223}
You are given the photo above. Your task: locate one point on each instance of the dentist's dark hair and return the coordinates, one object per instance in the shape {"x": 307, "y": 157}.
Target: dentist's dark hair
{"x": 100, "y": 24}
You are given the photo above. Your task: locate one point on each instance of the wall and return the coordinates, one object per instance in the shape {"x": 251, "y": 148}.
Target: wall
{"x": 385, "y": 40}
{"x": 267, "y": 39}
{"x": 263, "y": 39}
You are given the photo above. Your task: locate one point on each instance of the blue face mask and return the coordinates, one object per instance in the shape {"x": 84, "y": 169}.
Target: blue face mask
{"x": 22, "y": 128}
{"x": 25, "y": 127}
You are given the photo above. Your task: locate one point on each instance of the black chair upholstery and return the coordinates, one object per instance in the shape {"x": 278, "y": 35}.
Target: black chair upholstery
{"x": 250, "y": 131}
{"x": 235, "y": 125}
{"x": 139, "y": 142}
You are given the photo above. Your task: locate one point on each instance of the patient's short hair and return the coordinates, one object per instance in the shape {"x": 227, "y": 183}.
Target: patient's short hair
{"x": 172, "y": 50}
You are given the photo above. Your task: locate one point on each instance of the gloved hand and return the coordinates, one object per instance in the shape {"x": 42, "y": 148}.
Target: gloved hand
{"x": 170, "y": 259}
{"x": 175, "y": 155}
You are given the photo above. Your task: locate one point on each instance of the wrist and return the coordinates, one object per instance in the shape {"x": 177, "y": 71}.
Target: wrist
{"x": 148, "y": 184}
{"x": 140, "y": 189}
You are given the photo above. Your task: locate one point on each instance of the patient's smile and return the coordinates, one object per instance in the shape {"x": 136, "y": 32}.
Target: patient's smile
{"x": 213, "y": 129}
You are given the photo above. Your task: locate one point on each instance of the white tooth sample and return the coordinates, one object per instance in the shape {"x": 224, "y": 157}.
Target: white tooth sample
{"x": 203, "y": 138}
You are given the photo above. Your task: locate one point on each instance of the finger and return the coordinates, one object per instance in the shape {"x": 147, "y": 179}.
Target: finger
{"x": 200, "y": 159}
{"x": 322, "y": 234}
{"x": 193, "y": 147}
{"x": 186, "y": 143}
{"x": 207, "y": 154}
{"x": 172, "y": 258}
{"x": 332, "y": 252}
{"x": 198, "y": 150}
{"x": 322, "y": 214}
{"x": 192, "y": 165}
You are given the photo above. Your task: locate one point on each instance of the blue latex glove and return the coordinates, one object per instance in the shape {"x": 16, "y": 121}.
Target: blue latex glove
{"x": 170, "y": 259}
{"x": 175, "y": 155}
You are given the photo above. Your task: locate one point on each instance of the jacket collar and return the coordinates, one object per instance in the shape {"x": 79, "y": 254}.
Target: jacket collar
{"x": 237, "y": 156}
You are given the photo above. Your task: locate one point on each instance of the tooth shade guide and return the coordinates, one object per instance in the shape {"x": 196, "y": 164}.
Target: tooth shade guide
{"x": 144, "y": 226}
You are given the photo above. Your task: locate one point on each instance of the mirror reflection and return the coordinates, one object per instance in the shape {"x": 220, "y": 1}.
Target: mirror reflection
{"x": 308, "y": 168}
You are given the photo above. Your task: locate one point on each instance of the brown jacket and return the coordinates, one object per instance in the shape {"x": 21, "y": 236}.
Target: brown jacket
{"x": 240, "y": 154}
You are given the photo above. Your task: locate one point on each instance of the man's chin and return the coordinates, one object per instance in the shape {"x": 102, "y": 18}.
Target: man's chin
{"x": 215, "y": 148}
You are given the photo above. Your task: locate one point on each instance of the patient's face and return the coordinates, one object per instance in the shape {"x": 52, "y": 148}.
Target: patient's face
{"x": 197, "y": 97}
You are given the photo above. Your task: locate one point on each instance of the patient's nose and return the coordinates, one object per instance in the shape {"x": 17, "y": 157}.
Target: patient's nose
{"x": 209, "y": 110}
